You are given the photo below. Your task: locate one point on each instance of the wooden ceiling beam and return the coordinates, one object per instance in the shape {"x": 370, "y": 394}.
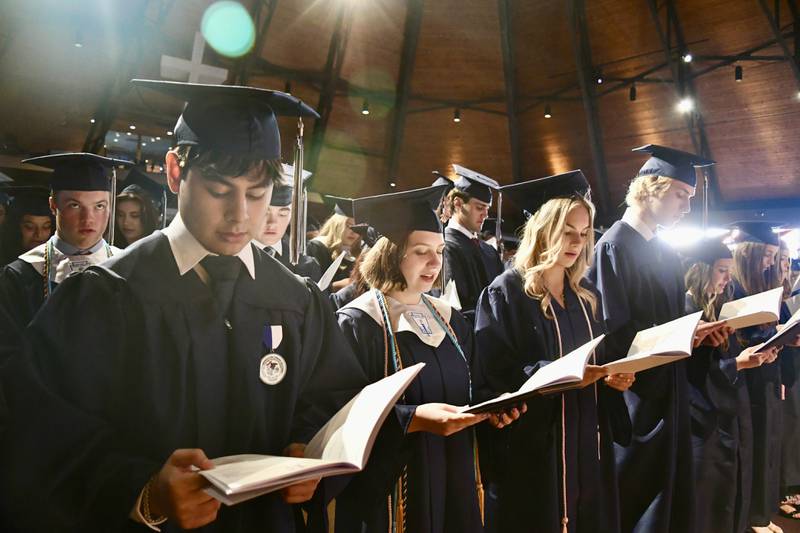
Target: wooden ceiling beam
{"x": 774, "y": 25}
{"x": 333, "y": 70}
{"x": 684, "y": 87}
{"x": 510, "y": 76}
{"x": 581, "y": 46}
{"x": 730, "y": 60}
{"x": 127, "y": 65}
{"x": 408, "y": 55}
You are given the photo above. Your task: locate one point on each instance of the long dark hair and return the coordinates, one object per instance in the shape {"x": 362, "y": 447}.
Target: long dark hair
{"x": 149, "y": 215}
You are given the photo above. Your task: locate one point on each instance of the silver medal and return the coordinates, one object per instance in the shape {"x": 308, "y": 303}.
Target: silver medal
{"x": 272, "y": 369}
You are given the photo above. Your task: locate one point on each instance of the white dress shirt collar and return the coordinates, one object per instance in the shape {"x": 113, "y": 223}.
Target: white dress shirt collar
{"x": 458, "y": 227}
{"x": 188, "y": 251}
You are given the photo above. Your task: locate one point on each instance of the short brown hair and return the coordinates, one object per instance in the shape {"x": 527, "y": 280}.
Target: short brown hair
{"x": 455, "y": 193}
{"x": 213, "y": 164}
{"x": 381, "y": 266}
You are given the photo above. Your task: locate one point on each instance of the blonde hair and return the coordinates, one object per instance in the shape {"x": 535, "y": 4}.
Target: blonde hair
{"x": 643, "y": 187}
{"x": 381, "y": 266}
{"x": 747, "y": 260}
{"x": 698, "y": 280}
{"x": 778, "y": 278}
{"x": 332, "y": 234}
{"x": 541, "y": 243}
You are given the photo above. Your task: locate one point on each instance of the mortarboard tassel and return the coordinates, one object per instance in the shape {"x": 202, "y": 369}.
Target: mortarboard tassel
{"x": 298, "y": 205}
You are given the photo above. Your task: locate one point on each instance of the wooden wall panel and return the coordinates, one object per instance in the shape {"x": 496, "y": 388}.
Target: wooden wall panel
{"x": 299, "y": 34}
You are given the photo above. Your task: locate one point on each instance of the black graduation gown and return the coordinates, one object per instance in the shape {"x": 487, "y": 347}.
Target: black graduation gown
{"x": 790, "y": 464}
{"x": 641, "y": 283}
{"x": 442, "y": 497}
{"x": 764, "y": 387}
{"x": 344, "y": 296}
{"x": 515, "y": 339}
{"x": 323, "y": 256}
{"x": 471, "y": 267}
{"x": 129, "y": 361}
{"x": 21, "y": 295}
{"x": 722, "y": 436}
{"x": 306, "y": 266}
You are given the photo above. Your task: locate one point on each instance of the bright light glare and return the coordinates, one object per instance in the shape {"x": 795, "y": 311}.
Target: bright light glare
{"x": 228, "y": 28}
{"x": 683, "y": 236}
{"x": 685, "y": 105}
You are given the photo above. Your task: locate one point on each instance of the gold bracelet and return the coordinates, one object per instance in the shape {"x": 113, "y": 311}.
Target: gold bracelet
{"x": 145, "y": 507}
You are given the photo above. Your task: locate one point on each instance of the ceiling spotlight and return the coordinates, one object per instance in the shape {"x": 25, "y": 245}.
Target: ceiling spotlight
{"x": 144, "y": 144}
{"x": 288, "y": 87}
{"x": 457, "y": 115}
{"x": 132, "y": 127}
{"x": 547, "y": 111}
{"x": 152, "y": 139}
{"x": 92, "y": 121}
{"x": 169, "y": 133}
{"x": 599, "y": 79}
{"x": 365, "y": 107}
{"x": 687, "y": 57}
{"x": 738, "y": 73}
{"x": 685, "y": 105}
{"x": 158, "y": 138}
{"x": 392, "y": 184}
{"x": 116, "y": 140}
{"x": 116, "y": 134}
{"x": 632, "y": 93}
{"x": 128, "y": 133}
{"x": 78, "y": 39}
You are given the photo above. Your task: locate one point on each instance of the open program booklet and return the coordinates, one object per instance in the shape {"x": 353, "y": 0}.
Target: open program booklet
{"x": 760, "y": 308}
{"x": 342, "y": 446}
{"x": 651, "y": 347}
{"x": 786, "y": 332}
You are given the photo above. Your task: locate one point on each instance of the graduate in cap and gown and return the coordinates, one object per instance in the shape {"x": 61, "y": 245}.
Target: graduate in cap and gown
{"x": 556, "y": 465}
{"x": 471, "y": 263}
{"x": 640, "y": 279}
{"x": 274, "y": 238}
{"x": 29, "y": 221}
{"x": 191, "y": 344}
{"x": 719, "y": 403}
{"x": 357, "y": 285}
{"x": 424, "y": 460}
{"x": 336, "y": 237}
{"x": 140, "y": 208}
{"x": 81, "y": 199}
{"x": 756, "y": 252}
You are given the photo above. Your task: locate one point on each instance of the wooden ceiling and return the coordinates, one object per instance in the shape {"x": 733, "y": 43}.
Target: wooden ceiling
{"x": 415, "y": 62}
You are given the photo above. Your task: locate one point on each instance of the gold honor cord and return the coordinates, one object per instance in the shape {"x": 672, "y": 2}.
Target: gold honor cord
{"x": 297, "y": 240}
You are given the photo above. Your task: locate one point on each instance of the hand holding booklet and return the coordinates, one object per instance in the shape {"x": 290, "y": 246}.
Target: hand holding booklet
{"x": 651, "y": 347}
{"x": 342, "y": 446}
{"x": 563, "y": 373}
{"x": 785, "y": 334}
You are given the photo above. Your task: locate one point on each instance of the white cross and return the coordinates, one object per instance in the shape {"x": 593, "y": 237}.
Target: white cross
{"x": 176, "y": 68}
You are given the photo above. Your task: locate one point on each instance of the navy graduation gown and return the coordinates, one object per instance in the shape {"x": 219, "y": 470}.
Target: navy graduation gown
{"x": 722, "y": 436}
{"x": 764, "y": 385}
{"x": 471, "y": 267}
{"x": 130, "y": 361}
{"x": 442, "y": 497}
{"x": 307, "y": 266}
{"x": 21, "y": 295}
{"x": 324, "y": 257}
{"x": 515, "y": 339}
{"x": 641, "y": 283}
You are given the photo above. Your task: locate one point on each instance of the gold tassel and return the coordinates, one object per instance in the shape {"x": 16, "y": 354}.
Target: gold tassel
{"x": 478, "y": 478}
{"x": 564, "y": 522}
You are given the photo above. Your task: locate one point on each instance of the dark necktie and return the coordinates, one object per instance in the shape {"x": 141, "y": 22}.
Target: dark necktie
{"x": 476, "y": 242}
{"x": 272, "y": 252}
{"x": 223, "y": 270}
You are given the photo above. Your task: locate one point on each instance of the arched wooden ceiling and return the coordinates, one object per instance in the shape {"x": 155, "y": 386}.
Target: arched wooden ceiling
{"x": 499, "y": 62}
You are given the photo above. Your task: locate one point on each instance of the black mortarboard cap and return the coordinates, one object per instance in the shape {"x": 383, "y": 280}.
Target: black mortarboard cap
{"x": 531, "y": 195}
{"x": 475, "y": 184}
{"x": 442, "y": 180}
{"x": 282, "y": 193}
{"x": 367, "y": 233}
{"x": 706, "y": 250}
{"x": 27, "y": 199}
{"x": 397, "y": 214}
{"x": 78, "y": 171}
{"x": 139, "y": 181}
{"x": 231, "y": 119}
{"x": 671, "y": 163}
{"x": 340, "y": 205}
{"x": 757, "y": 231}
